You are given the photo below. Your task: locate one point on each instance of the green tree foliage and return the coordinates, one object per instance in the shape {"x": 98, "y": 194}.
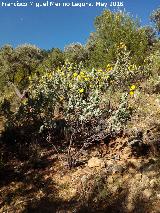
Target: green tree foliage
{"x": 16, "y": 65}
{"x": 55, "y": 58}
{"x": 76, "y": 53}
{"x": 111, "y": 30}
{"x": 151, "y": 35}
{"x": 6, "y": 71}
{"x": 155, "y": 18}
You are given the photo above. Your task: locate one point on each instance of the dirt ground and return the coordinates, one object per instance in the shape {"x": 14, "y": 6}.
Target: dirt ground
{"x": 122, "y": 183}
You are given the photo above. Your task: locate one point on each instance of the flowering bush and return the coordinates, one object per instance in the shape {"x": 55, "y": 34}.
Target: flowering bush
{"x": 71, "y": 91}
{"x": 74, "y": 93}
{"x": 125, "y": 72}
{"x": 70, "y": 101}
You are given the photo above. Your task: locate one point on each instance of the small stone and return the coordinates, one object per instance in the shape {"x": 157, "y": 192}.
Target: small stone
{"x": 114, "y": 189}
{"x": 153, "y": 183}
{"x": 151, "y": 174}
{"x": 157, "y": 101}
{"x": 118, "y": 169}
{"x": 158, "y": 196}
{"x": 127, "y": 177}
{"x": 109, "y": 162}
{"x": 110, "y": 180}
{"x": 145, "y": 180}
{"x": 84, "y": 152}
{"x": 138, "y": 176}
{"x": 95, "y": 153}
{"x": 131, "y": 171}
{"x": 130, "y": 207}
{"x": 83, "y": 179}
{"x": 108, "y": 169}
{"x": 96, "y": 162}
{"x": 147, "y": 193}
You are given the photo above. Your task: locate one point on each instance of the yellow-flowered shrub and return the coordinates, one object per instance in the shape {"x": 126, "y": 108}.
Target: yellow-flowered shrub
{"x": 81, "y": 90}
{"x": 77, "y": 91}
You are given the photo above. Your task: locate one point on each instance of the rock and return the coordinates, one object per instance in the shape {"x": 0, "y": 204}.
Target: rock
{"x": 95, "y": 153}
{"x": 84, "y": 179}
{"x": 116, "y": 157}
{"x": 130, "y": 207}
{"x": 145, "y": 181}
{"x": 131, "y": 171}
{"x": 153, "y": 183}
{"x": 151, "y": 174}
{"x": 84, "y": 152}
{"x": 135, "y": 143}
{"x": 135, "y": 164}
{"x": 157, "y": 101}
{"x": 109, "y": 169}
{"x": 158, "y": 196}
{"x": 117, "y": 169}
{"x": 109, "y": 162}
{"x": 114, "y": 189}
{"x": 147, "y": 193}
{"x": 96, "y": 162}
{"x": 110, "y": 180}
{"x": 127, "y": 177}
{"x": 138, "y": 177}
{"x": 113, "y": 167}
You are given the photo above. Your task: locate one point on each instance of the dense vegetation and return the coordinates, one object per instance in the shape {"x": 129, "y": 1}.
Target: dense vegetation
{"x": 74, "y": 99}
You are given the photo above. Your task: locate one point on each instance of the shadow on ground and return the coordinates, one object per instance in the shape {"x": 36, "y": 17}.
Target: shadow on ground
{"x": 27, "y": 186}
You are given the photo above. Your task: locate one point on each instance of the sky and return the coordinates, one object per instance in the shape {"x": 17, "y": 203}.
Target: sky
{"x": 49, "y": 27}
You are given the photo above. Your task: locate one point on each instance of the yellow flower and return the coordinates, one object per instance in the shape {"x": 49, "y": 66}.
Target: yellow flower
{"x": 81, "y": 90}
{"x": 82, "y": 74}
{"x": 86, "y": 79}
{"x": 133, "y": 87}
{"x": 132, "y": 67}
{"x": 75, "y": 75}
{"x": 121, "y": 46}
{"x": 100, "y": 70}
{"x": 79, "y": 77}
{"x": 131, "y": 92}
{"x": 117, "y": 18}
{"x": 58, "y": 70}
{"x": 109, "y": 67}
